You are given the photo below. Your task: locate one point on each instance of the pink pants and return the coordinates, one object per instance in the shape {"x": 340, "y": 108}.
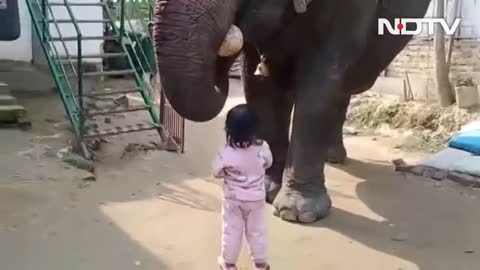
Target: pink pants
{"x": 239, "y": 217}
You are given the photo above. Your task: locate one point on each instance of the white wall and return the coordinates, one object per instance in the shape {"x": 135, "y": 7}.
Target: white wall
{"x": 470, "y": 27}
{"x": 20, "y": 49}
{"x": 87, "y": 29}
{"x": 470, "y": 15}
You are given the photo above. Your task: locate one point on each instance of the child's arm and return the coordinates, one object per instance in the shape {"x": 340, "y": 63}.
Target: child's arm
{"x": 266, "y": 154}
{"x": 218, "y": 166}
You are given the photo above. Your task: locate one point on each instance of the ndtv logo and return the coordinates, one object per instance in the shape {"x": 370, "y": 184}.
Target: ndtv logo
{"x": 399, "y": 26}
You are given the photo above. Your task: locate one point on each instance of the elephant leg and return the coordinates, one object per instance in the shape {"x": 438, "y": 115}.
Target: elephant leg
{"x": 319, "y": 70}
{"x": 273, "y": 106}
{"x": 303, "y": 196}
{"x": 337, "y": 152}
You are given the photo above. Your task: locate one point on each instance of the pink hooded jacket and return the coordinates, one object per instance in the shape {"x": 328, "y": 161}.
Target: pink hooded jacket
{"x": 243, "y": 171}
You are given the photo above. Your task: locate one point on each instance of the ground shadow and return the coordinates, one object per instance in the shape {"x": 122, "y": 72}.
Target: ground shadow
{"x": 127, "y": 186}
{"x": 417, "y": 218}
{"x": 87, "y": 224}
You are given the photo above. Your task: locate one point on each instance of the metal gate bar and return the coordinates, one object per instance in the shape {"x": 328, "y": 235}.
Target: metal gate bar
{"x": 172, "y": 122}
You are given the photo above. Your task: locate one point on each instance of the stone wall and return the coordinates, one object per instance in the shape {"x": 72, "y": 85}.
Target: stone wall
{"x": 417, "y": 60}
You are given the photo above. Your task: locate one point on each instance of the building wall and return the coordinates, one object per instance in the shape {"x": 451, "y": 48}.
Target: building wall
{"x": 469, "y": 13}
{"x": 20, "y": 49}
{"x": 417, "y": 59}
{"x": 87, "y": 29}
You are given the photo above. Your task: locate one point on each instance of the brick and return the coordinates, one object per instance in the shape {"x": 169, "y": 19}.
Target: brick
{"x": 419, "y": 170}
{"x": 418, "y": 58}
{"x": 464, "y": 179}
{"x": 440, "y": 175}
{"x": 466, "y": 96}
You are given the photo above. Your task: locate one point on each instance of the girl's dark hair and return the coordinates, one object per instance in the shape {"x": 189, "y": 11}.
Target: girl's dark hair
{"x": 241, "y": 127}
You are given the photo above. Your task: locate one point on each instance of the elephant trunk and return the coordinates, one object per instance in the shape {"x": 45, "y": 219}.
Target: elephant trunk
{"x": 189, "y": 37}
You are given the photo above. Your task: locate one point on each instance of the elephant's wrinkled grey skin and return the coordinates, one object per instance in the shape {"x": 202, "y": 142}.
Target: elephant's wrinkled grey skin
{"x": 316, "y": 59}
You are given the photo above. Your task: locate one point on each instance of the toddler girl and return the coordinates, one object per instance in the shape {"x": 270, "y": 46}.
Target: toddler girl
{"x": 242, "y": 164}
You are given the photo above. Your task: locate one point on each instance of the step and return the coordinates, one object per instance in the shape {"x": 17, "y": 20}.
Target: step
{"x": 119, "y": 130}
{"x": 73, "y": 58}
{"x": 75, "y": 38}
{"x": 7, "y": 100}
{"x": 73, "y": 4}
{"x": 11, "y": 113}
{"x": 94, "y": 56}
{"x": 112, "y": 92}
{"x": 92, "y": 113}
{"x": 77, "y": 21}
{"x": 109, "y": 73}
{"x": 4, "y": 90}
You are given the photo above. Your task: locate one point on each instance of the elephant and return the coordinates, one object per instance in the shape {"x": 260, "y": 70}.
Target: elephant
{"x": 318, "y": 52}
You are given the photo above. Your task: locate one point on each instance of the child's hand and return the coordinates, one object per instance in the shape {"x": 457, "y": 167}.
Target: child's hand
{"x": 218, "y": 169}
{"x": 266, "y": 155}
{"x": 220, "y": 174}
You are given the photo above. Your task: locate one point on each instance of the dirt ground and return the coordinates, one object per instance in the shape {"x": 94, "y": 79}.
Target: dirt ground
{"x": 160, "y": 210}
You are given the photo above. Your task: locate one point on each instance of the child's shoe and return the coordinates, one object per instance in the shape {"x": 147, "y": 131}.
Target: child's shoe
{"x": 262, "y": 266}
{"x": 226, "y": 266}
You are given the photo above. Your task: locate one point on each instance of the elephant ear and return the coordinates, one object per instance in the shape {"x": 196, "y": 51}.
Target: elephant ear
{"x": 300, "y": 6}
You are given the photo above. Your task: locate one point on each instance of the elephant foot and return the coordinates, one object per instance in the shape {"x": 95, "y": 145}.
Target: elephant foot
{"x": 272, "y": 188}
{"x": 337, "y": 154}
{"x": 304, "y": 203}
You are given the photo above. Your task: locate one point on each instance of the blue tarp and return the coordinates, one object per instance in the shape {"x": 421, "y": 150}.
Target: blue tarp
{"x": 468, "y": 140}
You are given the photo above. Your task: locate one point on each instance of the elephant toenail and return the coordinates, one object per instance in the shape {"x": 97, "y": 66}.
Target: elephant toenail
{"x": 288, "y": 215}
{"x": 307, "y": 217}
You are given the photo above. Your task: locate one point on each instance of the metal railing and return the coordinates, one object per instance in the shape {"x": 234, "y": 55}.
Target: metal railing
{"x": 141, "y": 12}
{"x": 39, "y": 12}
{"x": 137, "y": 44}
{"x": 127, "y": 15}
{"x": 79, "y": 61}
{"x": 124, "y": 39}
